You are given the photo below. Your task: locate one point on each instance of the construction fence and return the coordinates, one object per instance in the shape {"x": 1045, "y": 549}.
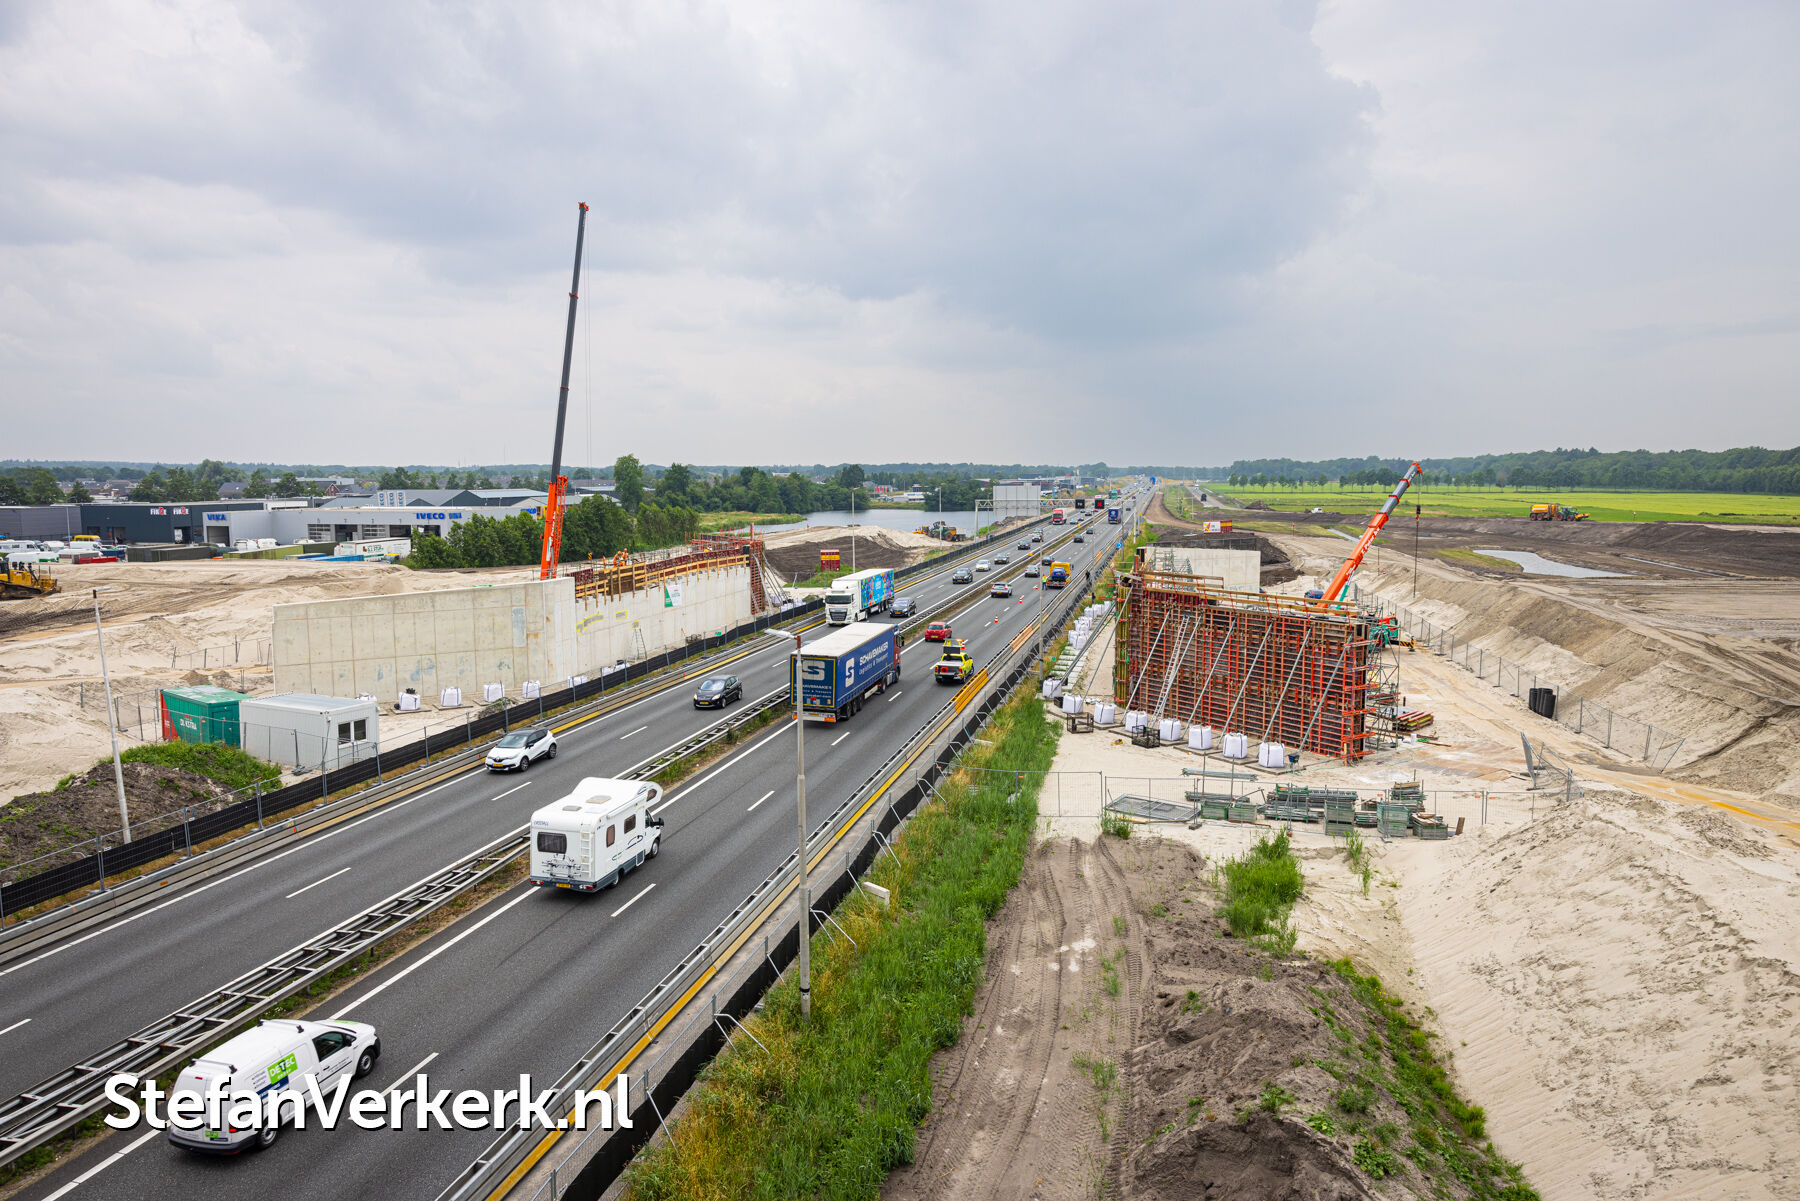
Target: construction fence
{"x": 1616, "y": 731}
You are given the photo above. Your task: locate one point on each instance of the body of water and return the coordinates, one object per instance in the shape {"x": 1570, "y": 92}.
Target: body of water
{"x": 1538, "y": 565}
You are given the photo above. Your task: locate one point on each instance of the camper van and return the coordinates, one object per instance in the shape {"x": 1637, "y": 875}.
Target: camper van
{"x": 276, "y": 1058}
{"x": 596, "y": 834}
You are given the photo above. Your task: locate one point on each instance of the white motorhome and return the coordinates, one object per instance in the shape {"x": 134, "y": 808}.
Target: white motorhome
{"x": 593, "y": 836}
{"x": 275, "y": 1059}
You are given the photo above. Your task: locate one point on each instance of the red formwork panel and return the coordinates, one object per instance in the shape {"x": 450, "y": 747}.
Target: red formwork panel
{"x": 1276, "y": 668}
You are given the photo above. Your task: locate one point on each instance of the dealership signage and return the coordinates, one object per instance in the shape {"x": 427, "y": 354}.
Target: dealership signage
{"x": 437, "y": 516}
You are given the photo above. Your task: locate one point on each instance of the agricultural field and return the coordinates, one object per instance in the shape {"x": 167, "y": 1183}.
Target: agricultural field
{"x": 1738, "y": 507}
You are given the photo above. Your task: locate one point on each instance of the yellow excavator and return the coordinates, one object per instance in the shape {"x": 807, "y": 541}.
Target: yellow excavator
{"x": 23, "y": 579}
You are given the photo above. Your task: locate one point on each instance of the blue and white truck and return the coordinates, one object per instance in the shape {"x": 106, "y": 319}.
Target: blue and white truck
{"x": 835, "y": 673}
{"x": 1113, "y": 514}
{"x": 859, "y": 597}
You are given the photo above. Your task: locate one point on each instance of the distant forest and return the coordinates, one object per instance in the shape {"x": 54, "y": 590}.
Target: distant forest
{"x": 1746, "y": 469}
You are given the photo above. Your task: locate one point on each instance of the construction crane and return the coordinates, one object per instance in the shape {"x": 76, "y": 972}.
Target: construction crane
{"x": 1362, "y": 544}
{"x": 559, "y": 483}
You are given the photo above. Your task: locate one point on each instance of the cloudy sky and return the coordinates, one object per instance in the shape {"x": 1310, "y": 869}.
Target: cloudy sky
{"x": 1041, "y": 231}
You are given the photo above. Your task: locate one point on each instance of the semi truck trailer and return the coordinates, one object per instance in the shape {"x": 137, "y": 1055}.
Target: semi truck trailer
{"x": 834, "y": 674}
{"x": 858, "y": 597}
{"x": 1114, "y": 515}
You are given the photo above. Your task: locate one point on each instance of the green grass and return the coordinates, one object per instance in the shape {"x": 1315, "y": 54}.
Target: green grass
{"x": 225, "y": 765}
{"x": 1258, "y": 890}
{"x": 833, "y": 1103}
{"x": 1622, "y": 505}
{"x": 713, "y": 522}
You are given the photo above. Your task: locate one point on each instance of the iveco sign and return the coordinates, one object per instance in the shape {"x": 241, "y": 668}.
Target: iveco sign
{"x": 437, "y": 516}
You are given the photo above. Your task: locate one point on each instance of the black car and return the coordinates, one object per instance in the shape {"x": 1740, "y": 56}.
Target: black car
{"x": 963, "y": 575}
{"x": 1079, "y": 538}
{"x": 904, "y": 606}
{"x": 715, "y": 692}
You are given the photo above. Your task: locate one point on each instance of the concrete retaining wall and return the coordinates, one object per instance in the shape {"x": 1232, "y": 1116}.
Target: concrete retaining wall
{"x": 505, "y": 633}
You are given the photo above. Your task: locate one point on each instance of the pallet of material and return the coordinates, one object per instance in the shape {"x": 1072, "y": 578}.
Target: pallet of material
{"x": 1393, "y": 820}
{"x": 1288, "y": 811}
{"x": 1214, "y": 810}
{"x": 1429, "y": 825}
{"x": 1412, "y": 721}
{"x": 1243, "y": 811}
{"x": 1410, "y": 793}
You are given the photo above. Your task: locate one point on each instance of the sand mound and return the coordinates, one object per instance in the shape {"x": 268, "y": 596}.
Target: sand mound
{"x": 1627, "y": 978}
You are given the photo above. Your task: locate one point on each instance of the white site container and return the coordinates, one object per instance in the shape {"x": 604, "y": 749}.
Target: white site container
{"x": 577, "y": 681}
{"x": 1200, "y": 738}
{"x": 1237, "y": 746}
{"x": 1135, "y": 721}
{"x": 450, "y": 698}
{"x": 1053, "y": 688}
{"x": 492, "y": 692}
{"x": 302, "y": 730}
{"x": 1169, "y": 730}
{"x": 408, "y": 702}
{"x": 1072, "y": 702}
{"x": 531, "y": 690}
{"x": 1106, "y": 713}
{"x": 1271, "y": 754}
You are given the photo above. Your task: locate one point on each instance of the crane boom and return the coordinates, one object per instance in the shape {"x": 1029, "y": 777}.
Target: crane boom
{"x": 1362, "y": 544}
{"x": 559, "y": 483}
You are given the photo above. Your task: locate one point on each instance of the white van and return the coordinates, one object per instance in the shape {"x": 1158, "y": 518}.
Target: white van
{"x": 596, "y": 834}
{"x": 275, "y": 1058}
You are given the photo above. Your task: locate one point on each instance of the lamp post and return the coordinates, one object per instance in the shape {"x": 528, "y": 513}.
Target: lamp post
{"x": 800, "y": 809}
{"x": 111, "y": 727}
{"x": 852, "y": 531}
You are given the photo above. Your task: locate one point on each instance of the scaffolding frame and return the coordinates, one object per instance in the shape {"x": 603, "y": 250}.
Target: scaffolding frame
{"x": 1297, "y": 671}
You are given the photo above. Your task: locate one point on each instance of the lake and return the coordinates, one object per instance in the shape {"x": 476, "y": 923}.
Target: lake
{"x": 1538, "y": 565}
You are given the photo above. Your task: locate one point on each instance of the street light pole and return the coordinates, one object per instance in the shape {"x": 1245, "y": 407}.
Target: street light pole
{"x": 800, "y": 807}
{"x": 853, "y": 531}
{"x": 111, "y": 726}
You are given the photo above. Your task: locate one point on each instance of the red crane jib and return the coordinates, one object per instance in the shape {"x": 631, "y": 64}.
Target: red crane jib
{"x": 1362, "y": 544}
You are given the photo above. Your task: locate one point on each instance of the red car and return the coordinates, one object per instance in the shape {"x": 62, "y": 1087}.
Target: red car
{"x": 937, "y": 631}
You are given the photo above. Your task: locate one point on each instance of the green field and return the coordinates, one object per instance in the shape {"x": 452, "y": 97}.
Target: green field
{"x": 1754, "y": 508}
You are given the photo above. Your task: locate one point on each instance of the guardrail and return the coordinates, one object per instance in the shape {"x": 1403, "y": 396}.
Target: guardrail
{"x": 58, "y": 1104}
{"x": 500, "y": 1166}
{"x": 61, "y": 1102}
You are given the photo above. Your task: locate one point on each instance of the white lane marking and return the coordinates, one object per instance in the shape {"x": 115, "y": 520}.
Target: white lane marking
{"x": 639, "y": 730}
{"x": 104, "y": 1164}
{"x": 510, "y": 791}
{"x": 634, "y": 900}
{"x": 305, "y": 843}
{"x": 334, "y": 875}
{"x": 708, "y": 776}
{"x": 896, "y": 695}
{"x": 759, "y": 800}
{"x": 411, "y": 968}
{"x": 840, "y": 738}
{"x": 27, "y": 1021}
{"x": 405, "y": 1078}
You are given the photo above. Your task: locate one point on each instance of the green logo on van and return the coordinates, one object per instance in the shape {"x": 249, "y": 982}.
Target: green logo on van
{"x": 281, "y": 1069}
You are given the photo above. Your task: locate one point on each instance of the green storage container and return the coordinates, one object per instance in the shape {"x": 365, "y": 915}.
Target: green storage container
{"x": 203, "y": 713}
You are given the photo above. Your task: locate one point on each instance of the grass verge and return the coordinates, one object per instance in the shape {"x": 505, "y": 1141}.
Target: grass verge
{"x": 1257, "y": 891}
{"x": 833, "y": 1104}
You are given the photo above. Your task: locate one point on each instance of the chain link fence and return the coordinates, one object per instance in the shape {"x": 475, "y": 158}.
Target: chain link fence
{"x": 1617, "y": 731}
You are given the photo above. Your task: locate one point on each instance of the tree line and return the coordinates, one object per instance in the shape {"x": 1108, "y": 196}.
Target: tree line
{"x": 594, "y": 528}
{"x": 1743, "y": 469}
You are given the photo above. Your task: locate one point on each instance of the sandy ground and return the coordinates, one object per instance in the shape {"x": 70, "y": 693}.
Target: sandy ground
{"x": 794, "y": 554}
{"x": 166, "y": 624}
{"x": 1618, "y": 975}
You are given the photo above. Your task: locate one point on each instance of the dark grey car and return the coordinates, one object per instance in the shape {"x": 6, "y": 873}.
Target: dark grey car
{"x": 715, "y": 692}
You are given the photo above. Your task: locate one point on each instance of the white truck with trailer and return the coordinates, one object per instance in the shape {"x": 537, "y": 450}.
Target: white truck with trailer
{"x": 588, "y": 840}
{"x": 858, "y": 597}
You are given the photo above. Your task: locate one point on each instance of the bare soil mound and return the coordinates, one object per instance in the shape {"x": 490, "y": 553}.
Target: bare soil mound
{"x": 41, "y": 822}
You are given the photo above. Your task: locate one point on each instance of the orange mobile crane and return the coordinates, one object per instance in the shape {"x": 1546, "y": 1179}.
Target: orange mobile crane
{"x": 1362, "y": 544}
{"x": 559, "y": 483}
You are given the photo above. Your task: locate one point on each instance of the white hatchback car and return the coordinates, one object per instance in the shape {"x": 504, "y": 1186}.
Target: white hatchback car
{"x": 515, "y": 751}
{"x": 984, "y": 565}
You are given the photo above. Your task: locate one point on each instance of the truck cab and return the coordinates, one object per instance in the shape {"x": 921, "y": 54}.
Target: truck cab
{"x": 954, "y": 666}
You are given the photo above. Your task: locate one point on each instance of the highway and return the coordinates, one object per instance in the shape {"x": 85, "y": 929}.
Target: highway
{"x": 524, "y": 984}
